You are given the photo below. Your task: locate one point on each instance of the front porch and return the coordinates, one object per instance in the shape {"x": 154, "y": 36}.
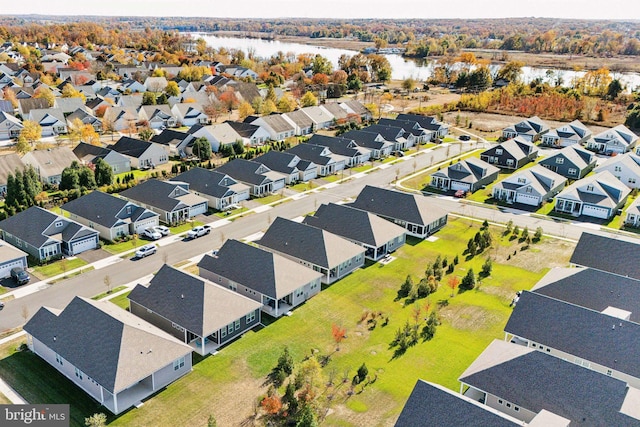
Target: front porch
{"x": 570, "y": 207}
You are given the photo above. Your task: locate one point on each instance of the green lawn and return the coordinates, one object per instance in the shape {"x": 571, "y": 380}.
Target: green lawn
{"x": 363, "y": 168}
{"x": 121, "y": 300}
{"x": 302, "y": 186}
{"x": 469, "y": 322}
{"x": 58, "y": 267}
{"x": 270, "y": 199}
{"x": 332, "y": 178}
{"x": 185, "y": 226}
{"x": 104, "y": 294}
{"x": 225, "y": 214}
{"x": 116, "y": 248}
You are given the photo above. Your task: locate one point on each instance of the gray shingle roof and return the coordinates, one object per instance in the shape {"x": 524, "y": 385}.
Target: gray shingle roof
{"x": 354, "y": 224}
{"x": 52, "y": 161}
{"x": 536, "y": 381}
{"x": 615, "y": 256}
{"x": 131, "y": 147}
{"x": 192, "y": 302}
{"x": 278, "y": 161}
{"x": 154, "y": 193}
{"x": 311, "y": 153}
{"x": 209, "y": 182}
{"x": 102, "y": 208}
{"x": 309, "y": 243}
{"x": 581, "y": 332}
{"x": 130, "y": 349}
{"x": 412, "y": 208}
{"x": 266, "y": 272}
{"x": 8, "y": 165}
{"x": 244, "y": 170}
{"x": 434, "y": 406}
{"x": 608, "y": 190}
{"x": 37, "y": 218}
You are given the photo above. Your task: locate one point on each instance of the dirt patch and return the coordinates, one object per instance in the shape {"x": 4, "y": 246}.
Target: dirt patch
{"x": 539, "y": 256}
{"x": 377, "y": 404}
{"x": 467, "y": 317}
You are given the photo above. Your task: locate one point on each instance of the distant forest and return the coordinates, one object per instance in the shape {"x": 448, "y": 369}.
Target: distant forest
{"x": 420, "y": 37}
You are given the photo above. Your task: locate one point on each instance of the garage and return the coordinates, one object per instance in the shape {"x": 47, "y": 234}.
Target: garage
{"x": 457, "y": 185}
{"x": 527, "y": 199}
{"x": 84, "y": 245}
{"x": 200, "y": 208}
{"x": 278, "y": 184}
{"x": 595, "y": 211}
{"x": 142, "y": 225}
{"x": 5, "y": 269}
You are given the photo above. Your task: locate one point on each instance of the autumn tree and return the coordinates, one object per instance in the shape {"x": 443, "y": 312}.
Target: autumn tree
{"x": 229, "y": 99}
{"x": 8, "y": 94}
{"x": 172, "y": 89}
{"x": 71, "y": 92}
{"x": 320, "y": 79}
{"x": 338, "y": 333}
{"x": 339, "y": 77}
{"x": 511, "y": 71}
{"x": 287, "y": 103}
{"x": 148, "y": 98}
{"x": 409, "y": 84}
{"x": 31, "y": 132}
{"x": 96, "y": 420}
{"x": 453, "y": 282}
{"x": 45, "y": 92}
{"x": 145, "y": 134}
{"x": 268, "y": 107}
{"x": 271, "y": 404}
{"x": 309, "y": 100}
{"x": 321, "y": 65}
{"x": 79, "y": 131}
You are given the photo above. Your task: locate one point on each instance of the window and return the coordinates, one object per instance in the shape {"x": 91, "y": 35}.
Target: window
{"x": 572, "y": 171}
{"x": 223, "y": 332}
{"x": 609, "y": 372}
{"x": 178, "y": 327}
{"x": 529, "y": 190}
{"x": 509, "y": 162}
{"x": 522, "y": 181}
{"x": 589, "y": 187}
{"x": 230, "y": 328}
{"x": 79, "y": 373}
{"x": 559, "y": 160}
{"x": 500, "y": 402}
{"x": 499, "y": 151}
{"x": 516, "y": 408}
{"x": 58, "y": 224}
{"x": 250, "y": 317}
{"x": 59, "y": 359}
{"x": 237, "y": 324}
{"x": 178, "y": 364}
{"x": 508, "y": 405}
{"x": 618, "y": 169}
{"x": 233, "y": 286}
{"x": 632, "y": 180}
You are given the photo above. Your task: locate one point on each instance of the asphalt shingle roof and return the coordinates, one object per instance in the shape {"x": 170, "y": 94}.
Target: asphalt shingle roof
{"x": 607, "y": 254}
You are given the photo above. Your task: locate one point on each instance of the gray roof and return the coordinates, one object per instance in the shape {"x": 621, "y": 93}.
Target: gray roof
{"x": 9, "y": 252}
{"x": 575, "y": 154}
{"x": 574, "y": 131}
{"x": 277, "y": 123}
{"x": 416, "y": 209}
{"x": 265, "y": 272}
{"x": 435, "y": 406}
{"x": 312, "y": 153}
{"x": 130, "y": 349}
{"x": 366, "y": 139}
{"x": 47, "y": 116}
{"x": 278, "y": 161}
{"x": 581, "y": 332}
{"x": 309, "y": 243}
{"x": 354, "y": 224}
{"x": 245, "y": 130}
{"x": 537, "y": 381}
{"x": 209, "y": 182}
{"x": 69, "y": 105}
{"x": 88, "y": 153}
{"x": 607, "y": 191}
{"x": 517, "y": 147}
{"x": 37, "y": 218}
{"x": 609, "y": 254}
{"x": 132, "y": 147}
{"x": 531, "y": 126}
{"x": 592, "y": 289}
{"x": 28, "y": 104}
{"x": 52, "y": 161}
{"x": 155, "y": 193}
{"x": 541, "y": 180}
{"x": 170, "y": 136}
{"x": 245, "y": 171}
{"x": 343, "y": 146}
{"x": 105, "y": 209}
{"x": 299, "y": 117}
{"x": 195, "y": 304}
{"x": 470, "y": 170}
{"x": 8, "y": 165}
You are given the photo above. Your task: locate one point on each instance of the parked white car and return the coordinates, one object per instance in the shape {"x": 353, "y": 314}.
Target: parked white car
{"x": 146, "y": 250}
{"x": 198, "y": 231}
{"x": 162, "y": 230}
{"x": 152, "y": 234}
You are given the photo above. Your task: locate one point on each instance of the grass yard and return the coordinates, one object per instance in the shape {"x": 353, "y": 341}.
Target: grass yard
{"x": 225, "y": 214}
{"x": 270, "y": 199}
{"x": 470, "y": 320}
{"x": 116, "y": 248}
{"x": 184, "y": 227}
{"x": 58, "y": 267}
{"x": 302, "y": 186}
{"x": 121, "y": 300}
{"x": 104, "y": 294}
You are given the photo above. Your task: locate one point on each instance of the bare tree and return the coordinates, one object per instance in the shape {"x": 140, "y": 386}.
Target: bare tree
{"x": 107, "y": 283}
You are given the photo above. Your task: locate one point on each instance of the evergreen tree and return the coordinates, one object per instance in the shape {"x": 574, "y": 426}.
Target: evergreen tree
{"x": 468, "y": 281}
{"x": 103, "y": 173}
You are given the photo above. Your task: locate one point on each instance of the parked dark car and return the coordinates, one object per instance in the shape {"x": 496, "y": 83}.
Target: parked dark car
{"x": 465, "y": 138}
{"x": 20, "y": 276}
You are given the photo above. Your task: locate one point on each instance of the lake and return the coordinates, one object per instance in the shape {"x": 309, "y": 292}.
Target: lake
{"x": 401, "y": 68}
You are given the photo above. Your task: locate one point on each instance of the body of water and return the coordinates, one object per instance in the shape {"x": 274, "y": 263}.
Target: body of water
{"x": 401, "y": 68}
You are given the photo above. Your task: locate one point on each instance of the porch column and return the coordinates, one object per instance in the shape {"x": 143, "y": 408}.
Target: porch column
{"x": 153, "y": 381}
{"x": 115, "y": 402}
{"x": 101, "y": 395}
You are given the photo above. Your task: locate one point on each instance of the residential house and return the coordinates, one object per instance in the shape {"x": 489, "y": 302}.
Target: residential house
{"x": 247, "y": 91}
{"x": 315, "y": 248}
{"x": 437, "y": 406}
{"x": 327, "y": 163}
{"x": 190, "y": 114}
{"x": 135, "y": 361}
{"x": 378, "y": 236}
{"x": 9, "y": 164}
{"x": 220, "y": 190}
{"x": 616, "y": 140}
{"x": 51, "y": 120}
{"x": 511, "y": 154}
{"x": 339, "y": 114}
{"x": 194, "y": 310}
{"x": 632, "y": 214}
{"x": 606, "y": 342}
{"x": 218, "y": 135}
{"x": 380, "y": 148}
{"x": 174, "y": 141}
{"x": 85, "y": 118}
{"x": 155, "y": 84}
{"x": 68, "y": 105}
{"x": 120, "y": 118}
{"x": 593, "y": 289}
{"x": 542, "y": 390}
{"x": 48, "y": 235}
{"x": 240, "y": 72}
{"x": 399, "y": 137}
{"x": 599, "y": 196}
{"x": 50, "y": 163}
{"x": 422, "y": 135}
{"x": 574, "y": 133}
{"x": 171, "y": 200}
{"x": 11, "y": 257}
{"x": 468, "y": 175}
{"x": 414, "y": 212}
{"x": 278, "y": 127}
{"x": 112, "y": 216}
{"x": 157, "y": 116}
{"x": 88, "y": 154}
{"x": 286, "y": 164}
{"x": 278, "y": 283}
{"x": 260, "y": 179}
{"x": 302, "y": 122}
{"x": 353, "y": 107}
{"x": 625, "y": 167}
{"x": 320, "y": 117}
{"x": 613, "y": 255}
{"x": 25, "y": 105}
{"x": 354, "y": 154}
{"x": 428, "y": 123}
{"x": 530, "y": 186}
{"x": 251, "y": 134}
{"x": 130, "y": 102}
{"x": 132, "y": 86}
{"x": 530, "y": 129}
{"x": 10, "y": 126}
{"x": 572, "y": 162}
{"x": 142, "y": 154}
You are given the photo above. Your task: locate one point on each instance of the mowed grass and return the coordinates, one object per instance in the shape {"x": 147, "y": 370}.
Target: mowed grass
{"x": 470, "y": 320}
{"x": 121, "y": 300}
{"x": 58, "y": 267}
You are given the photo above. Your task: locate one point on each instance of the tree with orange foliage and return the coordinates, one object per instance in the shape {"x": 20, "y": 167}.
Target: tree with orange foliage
{"x": 338, "y": 333}
{"x": 229, "y": 99}
{"x": 453, "y": 283}
{"x": 271, "y": 404}
{"x": 320, "y": 79}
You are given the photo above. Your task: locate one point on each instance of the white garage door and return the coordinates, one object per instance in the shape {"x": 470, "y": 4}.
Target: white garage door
{"x": 278, "y": 184}
{"x": 5, "y": 269}
{"x": 457, "y": 185}
{"x": 595, "y": 212}
{"x": 83, "y": 245}
{"x": 527, "y": 199}
{"x": 142, "y": 225}
{"x": 197, "y": 209}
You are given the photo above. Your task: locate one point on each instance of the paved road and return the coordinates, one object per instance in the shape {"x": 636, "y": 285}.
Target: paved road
{"x": 127, "y": 271}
